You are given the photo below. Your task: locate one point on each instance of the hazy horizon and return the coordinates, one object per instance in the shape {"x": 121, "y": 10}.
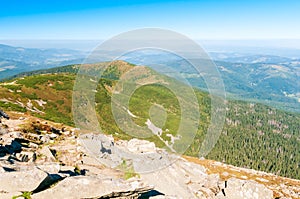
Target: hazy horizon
{"x": 278, "y": 47}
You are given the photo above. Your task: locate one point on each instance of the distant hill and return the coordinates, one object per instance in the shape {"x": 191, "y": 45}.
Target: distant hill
{"x": 254, "y": 136}
{"x": 14, "y": 60}
{"x": 268, "y": 79}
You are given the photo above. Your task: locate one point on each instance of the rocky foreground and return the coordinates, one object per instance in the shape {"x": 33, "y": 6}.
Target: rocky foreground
{"x": 40, "y": 159}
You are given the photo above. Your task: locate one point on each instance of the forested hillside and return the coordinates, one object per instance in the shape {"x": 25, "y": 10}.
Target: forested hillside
{"x": 254, "y": 136}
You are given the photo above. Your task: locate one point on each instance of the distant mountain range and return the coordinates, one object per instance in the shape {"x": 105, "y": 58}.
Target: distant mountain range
{"x": 270, "y": 79}
{"x": 251, "y": 58}
{"x": 14, "y": 60}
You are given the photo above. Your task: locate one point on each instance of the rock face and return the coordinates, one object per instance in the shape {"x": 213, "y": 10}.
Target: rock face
{"x": 171, "y": 175}
{"x": 143, "y": 154}
{"x": 43, "y": 161}
{"x": 48, "y": 161}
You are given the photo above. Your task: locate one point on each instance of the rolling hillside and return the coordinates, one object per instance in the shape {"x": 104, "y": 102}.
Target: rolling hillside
{"x": 254, "y": 136}
{"x": 267, "y": 79}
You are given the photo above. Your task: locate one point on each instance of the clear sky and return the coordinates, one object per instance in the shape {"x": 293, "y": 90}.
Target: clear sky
{"x": 97, "y": 19}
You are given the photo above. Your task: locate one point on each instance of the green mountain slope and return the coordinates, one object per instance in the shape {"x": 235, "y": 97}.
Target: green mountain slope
{"x": 254, "y": 136}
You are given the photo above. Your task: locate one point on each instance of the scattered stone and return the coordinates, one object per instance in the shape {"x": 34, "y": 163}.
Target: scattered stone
{"x": 33, "y": 137}
{"x": 45, "y": 139}
{"x": 4, "y": 115}
{"x": 33, "y": 145}
{"x": 141, "y": 146}
{"x": 53, "y": 136}
{"x": 225, "y": 174}
{"x": 92, "y": 165}
{"x": 212, "y": 182}
{"x": 46, "y": 153}
{"x": 56, "y": 131}
{"x": 26, "y": 156}
{"x": 17, "y": 181}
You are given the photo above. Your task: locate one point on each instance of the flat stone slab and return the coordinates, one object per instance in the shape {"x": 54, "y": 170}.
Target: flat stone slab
{"x": 93, "y": 187}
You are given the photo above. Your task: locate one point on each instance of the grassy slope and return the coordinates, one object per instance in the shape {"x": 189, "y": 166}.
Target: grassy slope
{"x": 255, "y": 136}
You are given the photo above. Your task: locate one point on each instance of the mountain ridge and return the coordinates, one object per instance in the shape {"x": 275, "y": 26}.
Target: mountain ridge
{"x": 250, "y": 77}
{"x": 269, "y": 132}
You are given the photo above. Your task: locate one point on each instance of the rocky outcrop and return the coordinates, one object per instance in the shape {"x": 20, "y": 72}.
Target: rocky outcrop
{"x": 171, "y": 175}
{"x": 50, "y": 161}
{"x": 42, "y": 160}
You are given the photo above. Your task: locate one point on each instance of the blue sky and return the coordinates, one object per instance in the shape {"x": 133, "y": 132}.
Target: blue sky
{"x": 65, "y": 19}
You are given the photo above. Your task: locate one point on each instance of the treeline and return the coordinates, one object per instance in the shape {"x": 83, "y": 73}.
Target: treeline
{"x": 62, "y": 69}
{"x": 258, "y": 137}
